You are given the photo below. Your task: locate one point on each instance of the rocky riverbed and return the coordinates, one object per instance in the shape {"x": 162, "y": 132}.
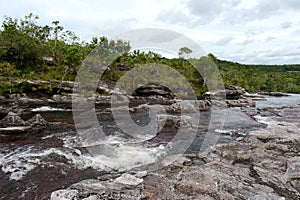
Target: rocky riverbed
{"x": 255, "y": 155}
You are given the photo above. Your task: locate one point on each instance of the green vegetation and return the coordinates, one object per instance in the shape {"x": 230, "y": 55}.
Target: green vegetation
{"x": 281, "y": 78}
{"x": 31, "y": 51}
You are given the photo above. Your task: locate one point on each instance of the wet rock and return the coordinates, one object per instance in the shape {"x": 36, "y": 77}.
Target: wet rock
{"x": 275, "y": 94}
{"x": 153, "y": 90}
{"x": 183, "y": 107}
{"x": 203, "y": 105}
{"x": 62, "y": 98}
{"x": 229, "y": 92}
{"x": 13, "y": 124}
{"x": 37, "y": 120}
{"x": 17, "y": 96}
{"x": 218, "y": 103}
{"x": 240, "y": 103}
{"x": 25, "y": 101}
{"x": 12, "y": 120}
{"x": 234, "y": 92}
{"x": 173, "y": 122}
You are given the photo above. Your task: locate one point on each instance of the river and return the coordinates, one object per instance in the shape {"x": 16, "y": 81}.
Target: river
{"x": 32, "y": 167}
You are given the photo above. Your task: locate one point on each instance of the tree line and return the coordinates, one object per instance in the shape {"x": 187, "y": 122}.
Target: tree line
{"x": 32, "y": 51}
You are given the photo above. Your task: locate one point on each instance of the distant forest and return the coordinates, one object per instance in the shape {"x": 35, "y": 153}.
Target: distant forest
{"x": 29, "y": 51}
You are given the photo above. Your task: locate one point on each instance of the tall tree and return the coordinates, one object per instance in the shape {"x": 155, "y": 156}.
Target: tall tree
{"x": 184, "y": 52}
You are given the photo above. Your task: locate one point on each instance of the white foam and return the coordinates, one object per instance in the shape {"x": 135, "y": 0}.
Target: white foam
{"x": 224, "y": 131}
{"x": 17, "y": 164}
{"x": 124, "y": 158}
{"x": 267, "y": 120}
{"x": 48, "y": 108}
{"x": 114, "y": 153}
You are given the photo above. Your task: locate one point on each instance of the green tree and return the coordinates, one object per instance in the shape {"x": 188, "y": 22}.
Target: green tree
{"x": 184, "y": 52}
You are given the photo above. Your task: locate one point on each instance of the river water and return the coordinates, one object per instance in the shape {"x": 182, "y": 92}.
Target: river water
{"x": 34, "y": 167}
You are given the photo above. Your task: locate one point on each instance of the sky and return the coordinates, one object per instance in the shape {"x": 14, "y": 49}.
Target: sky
{"x": 245, "y": 31}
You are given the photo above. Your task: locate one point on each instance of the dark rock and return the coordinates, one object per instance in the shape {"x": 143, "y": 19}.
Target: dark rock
{"x": 11, "y": 120}
{"x": 275, "y": 94}
{"x": 240, "y": 103}
{"x": 229, "y": 92}
{"x": 37, "y": 120}
{"x": 234, "y": 92}
{"x": 153, "y": 90}
{"x": 12, "y": 124}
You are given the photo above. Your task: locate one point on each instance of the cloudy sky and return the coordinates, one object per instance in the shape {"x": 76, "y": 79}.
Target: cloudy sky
{"x": 256, "y": 31}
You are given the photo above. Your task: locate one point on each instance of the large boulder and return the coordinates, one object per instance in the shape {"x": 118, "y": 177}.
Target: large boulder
{"x": 234, "y": 92}
{"x": 230, "y": 92}
{"x": 37, "y": 120}
{"x": 153, "y": 90}
{"x": 12, "y": 120}
{"x": 13, "y": 124}
{"x": 173, "y": 121}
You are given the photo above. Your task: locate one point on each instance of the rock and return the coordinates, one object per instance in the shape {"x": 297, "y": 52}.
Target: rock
{"x": 218, "y": 103}
{"x": 153, "y": 90}
{"x": 203, "y": 105}
{"x": 275, "y": 94}
{"x": 263, "y": 165}
{"x": 240, "y": 103}
{"x": 141, "y": 174}
{"x": 49, "y": 60}
{"x": 229, "y": 92}
{"x": 29, "y": 101}
{"x": 266, "y": 197}
{"x": 293, "y": 168}
{"x": 12, "y": 120}
{"x": 37, "y": 120}
{"x": 93, "y": 197}
{"x": 14, "y": 96}
{"x": 13, "y": 124}
{"x": 112, "y": 189}
{"x": 172, "y": 121}
{"x": 89, "y": 186}
{"x": 183, "y": 107}
{"x": 128, "y": 179}
{"x": 64, "y": 195}
{"x": 62, "y": 99}
{"x": 234, "y": 92}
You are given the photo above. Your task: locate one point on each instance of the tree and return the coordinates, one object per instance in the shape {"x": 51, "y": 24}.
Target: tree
{"x": 56, "y": 30}
{"x": 73, "y": 57}
{"x": 20, "y": 41}
{"x": 184, "y": 52}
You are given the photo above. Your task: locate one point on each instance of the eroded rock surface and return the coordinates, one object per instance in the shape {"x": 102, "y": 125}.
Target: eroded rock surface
{"x": 262, "y": 166}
